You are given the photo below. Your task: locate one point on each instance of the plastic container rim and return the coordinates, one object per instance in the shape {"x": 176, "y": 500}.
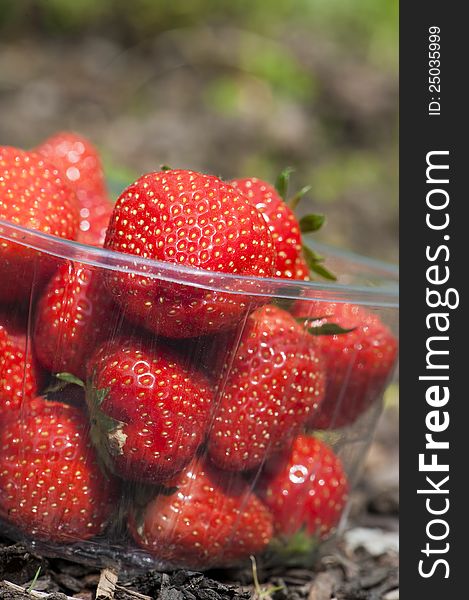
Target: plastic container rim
{"x": 386, "y": 296}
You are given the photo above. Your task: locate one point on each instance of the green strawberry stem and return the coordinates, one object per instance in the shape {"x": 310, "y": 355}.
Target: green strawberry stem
{"x": 297, "y": 550}
{"x": 308, "y": 224}
{"x": 281, "y": 185}
{"x": 282, "y": 181}
{"x": 70, "y": 378}
{"x": 294, "y": 200}
{"x": 312, "y": 222}
{"x": 63, "y": 379}
{"x": 325, "y": 328}
{"x": 329, "y": 329}
{"x": 106, "y": 433}
{"x": 314, "y": 260}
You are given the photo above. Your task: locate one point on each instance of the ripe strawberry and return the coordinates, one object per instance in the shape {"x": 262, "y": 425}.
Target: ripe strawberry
{"x": 270, "y": 388}
{"x": 301, "y": 269}
{"x": 20, "y": 375}
{"x": 34, "y": 195}
{"x": 3, "y": 339}
{"x": 282, "y": 223}
{"x": 306, "y": 487}
{"x": 94, "y": 221}
{"x": 78, "y": 161}
{"x": 73, "y": 316}
{"x": 206, "y": 521}
{"x": 193, "y": 220}
{"x": 294, "y": 260}
{"x": 149, "y": 412}
{"x": 208, "y": 353}
{"x": 50, "y": 485}
{"x": 358, "y": 363}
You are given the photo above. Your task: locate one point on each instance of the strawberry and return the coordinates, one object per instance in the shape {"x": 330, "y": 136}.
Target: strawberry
{"x": 282, "y": 223}
{"x": 50, "y": 485}
{"x": 3, "y": 339}
{"x": 32, "y": 194}
{"x": 94, "y": 222}
{"x": 273, "y": 384}
{"x": 295, "y": 260}
{"x": 301, "y": 269}
{"x": 208, "y": 353}
{"x": 193, "y": 220}
{"x": 73, "y": 316}
{"x": 20, "y": 375}
{"x": 203, "y": 520}
{"x": 358, "y": 363}
{"x": 78, "y": 161}
{"x": 305, "y": 488}
{"x": 149, "y": 412}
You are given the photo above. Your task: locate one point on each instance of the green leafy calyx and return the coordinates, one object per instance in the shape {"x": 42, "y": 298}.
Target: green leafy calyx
{"x": 314, "y": 262}
{"x": 282, "y": 181}
{"x": 310, "y": 223}
{"x": 322, "y": 328}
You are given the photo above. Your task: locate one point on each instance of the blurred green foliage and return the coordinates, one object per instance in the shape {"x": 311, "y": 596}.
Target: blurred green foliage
{"x": 357, "y": 170}
{"x": 275, "y": 65}
{"x": 369, "y": 27}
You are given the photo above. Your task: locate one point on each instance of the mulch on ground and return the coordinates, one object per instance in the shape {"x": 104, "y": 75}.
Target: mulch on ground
{"x": 346, "y": 573}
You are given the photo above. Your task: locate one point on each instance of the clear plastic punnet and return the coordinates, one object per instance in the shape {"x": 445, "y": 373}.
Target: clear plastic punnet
{"x": 156, "y": 415}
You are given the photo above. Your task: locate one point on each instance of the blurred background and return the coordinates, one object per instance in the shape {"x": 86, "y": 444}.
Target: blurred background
{"x": 237, "y": 88}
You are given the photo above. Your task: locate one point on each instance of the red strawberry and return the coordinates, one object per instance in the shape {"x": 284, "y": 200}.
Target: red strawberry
{"x": 50, "y": 484}
{"x": 358, "y": 363}
{"x": 305, "y": 488}
{"x": 149, "y": 412}
{"x": 78, "y": 161}
{"x": 271, "y": 387}
{"x": 94, "y": 222}
{"x": 193, "y": 220}
{"x": 3, "y": 340}
{"x": 20, "y": 376}
{"x": 206, "y": 521}
{"x": 282, "y": 223}
{"x": 301, "y": 269}
{"x": 294, "y": 260}
{"x": 73, "y": 316}
{"x": 208, "y": 353}
{"x": 34, "y": 195}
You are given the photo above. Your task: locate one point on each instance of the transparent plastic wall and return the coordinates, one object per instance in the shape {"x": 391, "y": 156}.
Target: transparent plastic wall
{"x": 155, "y": 415}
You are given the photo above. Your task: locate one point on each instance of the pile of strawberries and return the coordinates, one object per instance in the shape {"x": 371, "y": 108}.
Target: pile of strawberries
{"x": 137, "y": 404}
